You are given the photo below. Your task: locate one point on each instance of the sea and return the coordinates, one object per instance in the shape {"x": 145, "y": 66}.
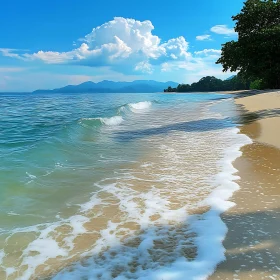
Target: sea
{"x": 115, "y": 186}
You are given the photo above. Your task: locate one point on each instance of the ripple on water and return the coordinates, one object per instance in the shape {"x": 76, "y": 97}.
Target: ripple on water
{"x": 136, "y": 206}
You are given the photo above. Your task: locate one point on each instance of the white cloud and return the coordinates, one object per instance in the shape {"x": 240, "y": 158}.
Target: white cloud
{"x": 194, "y": 65}
{"x": 9, "y": 52}
{"x": 203, "y": 37}
{"x": 200, "y": 64}
{"x": 223, "y": 30}
{"x": 144, "y": 67}
{"x": 127, "y": 47}
{"x": 175, "y": 49}
{"x": 121, "y": 44}
{"x": 208, "y": 52}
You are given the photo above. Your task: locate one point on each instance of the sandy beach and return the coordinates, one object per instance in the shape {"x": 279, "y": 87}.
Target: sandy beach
{"x": 253, "y": 240}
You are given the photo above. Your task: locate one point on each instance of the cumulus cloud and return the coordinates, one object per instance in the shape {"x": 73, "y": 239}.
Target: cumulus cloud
{"x": 223, "y": 30}
{"x": 144, "y": 67}
{"x": 200, "y": 64}
{"x": 128, "y": 46}
{"x": 203, "y": 37}
{"x": 120, "y": 43}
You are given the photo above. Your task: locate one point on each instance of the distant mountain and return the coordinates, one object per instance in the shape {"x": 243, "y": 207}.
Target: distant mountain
{"x": 140, "y": 86}
{"x": 230, "y": 78}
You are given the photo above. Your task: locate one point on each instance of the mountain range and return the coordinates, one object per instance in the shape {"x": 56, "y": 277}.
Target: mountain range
{"x": 139, "y": 86}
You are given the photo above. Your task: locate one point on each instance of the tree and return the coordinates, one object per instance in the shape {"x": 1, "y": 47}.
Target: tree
{"x": 170, "y": 89}
{"x": 256, "y": 53}
{"x": 209, "y": 83}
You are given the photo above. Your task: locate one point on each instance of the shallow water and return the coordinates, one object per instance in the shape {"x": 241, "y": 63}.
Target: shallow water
{"x": 115, "y": 186}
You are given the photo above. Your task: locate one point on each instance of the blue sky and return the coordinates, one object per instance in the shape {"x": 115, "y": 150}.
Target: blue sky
{"x": 49, "y": 44}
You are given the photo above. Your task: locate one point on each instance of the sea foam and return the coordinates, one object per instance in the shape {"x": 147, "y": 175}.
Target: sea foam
{"x": 209, "y": 229}
{"x": 140, "y": 106}
{"x": 113, "y": 121}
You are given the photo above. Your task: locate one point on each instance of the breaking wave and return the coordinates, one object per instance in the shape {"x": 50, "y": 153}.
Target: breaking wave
{"x": 113, "y": 121}
{"x": 116, "y": 120}
{"x": 138, "y": 107}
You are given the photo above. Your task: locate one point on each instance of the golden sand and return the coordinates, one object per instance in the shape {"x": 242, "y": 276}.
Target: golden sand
{"x": 266, "y": 106}
{"x": 253, "y": 240}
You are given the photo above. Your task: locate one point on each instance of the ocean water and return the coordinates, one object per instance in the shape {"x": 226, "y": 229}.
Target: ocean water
{"x": 115, "y": 186}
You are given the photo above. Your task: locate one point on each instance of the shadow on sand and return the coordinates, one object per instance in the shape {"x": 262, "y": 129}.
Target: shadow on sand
{"x": 252, "y": 244}
{"x": 250, "y": 117}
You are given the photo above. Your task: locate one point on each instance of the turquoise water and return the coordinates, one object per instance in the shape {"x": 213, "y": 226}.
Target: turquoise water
{"x": 63, "y": 155}
{"x": 48, "y": 136}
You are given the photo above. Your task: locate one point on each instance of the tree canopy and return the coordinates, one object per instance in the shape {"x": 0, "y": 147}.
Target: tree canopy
{"x": 211, "y": 83}
{"x": 256, "y": 53}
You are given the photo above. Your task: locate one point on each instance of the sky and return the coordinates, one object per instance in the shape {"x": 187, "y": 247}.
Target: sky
{"x": 48, "y": 44}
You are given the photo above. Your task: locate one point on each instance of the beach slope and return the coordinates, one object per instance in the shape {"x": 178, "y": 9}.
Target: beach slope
{"x": 253, "y": 240}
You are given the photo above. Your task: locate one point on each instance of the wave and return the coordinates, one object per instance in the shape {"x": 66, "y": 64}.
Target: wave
{"x": 146, "y": 253}
{"x": 117, "y": 120}
{"x": 135, "y": 107}
{"x": 140, "y": 106}
{"x": 90, "y": 122}
{"x": 209, "y": 227}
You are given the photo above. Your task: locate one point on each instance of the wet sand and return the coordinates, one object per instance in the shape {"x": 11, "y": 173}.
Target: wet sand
{"x": 253, "y": 240}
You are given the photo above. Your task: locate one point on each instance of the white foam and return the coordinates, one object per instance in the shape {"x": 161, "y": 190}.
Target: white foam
{"x": 32, "y": 177}
{"x": 11, "y": 213}
{"x": 45, "y": 245}
{"x": 2, "y": 254}
{"x": 9, "y": 271}
{"x": 90, "y": 204}
{"x": 140, "y": 106}
{"x": 117, "y": 120}
{"x": 113, "y": 121}
{"x": 209, "y": 228}
{"x": 76, "y": 222}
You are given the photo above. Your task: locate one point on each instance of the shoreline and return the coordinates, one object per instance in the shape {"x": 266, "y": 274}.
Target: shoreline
{"x": 194, "y": 230}
{"x": 253, "y": 240}
{"x": 238, "y": 93}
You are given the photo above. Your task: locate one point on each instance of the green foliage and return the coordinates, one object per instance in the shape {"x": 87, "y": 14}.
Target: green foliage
{"x": 236, "y": 83}
{"x": 170, "y": 89}
{"x": 257, "y": 84}
{"x": 207, "y": 84}
{"x": 256, "y": 53}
